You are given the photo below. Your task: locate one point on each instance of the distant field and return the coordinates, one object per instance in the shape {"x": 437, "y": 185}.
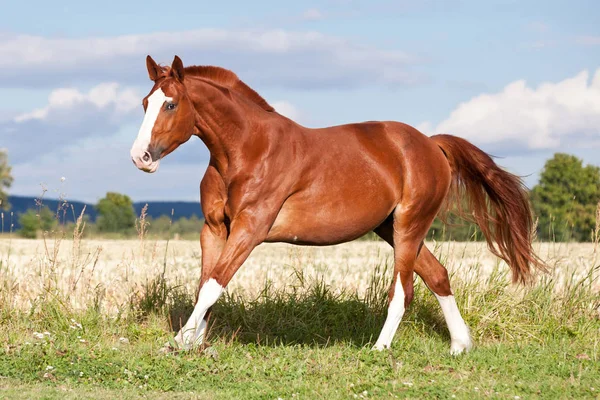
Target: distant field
{"x": 86, "y": 319}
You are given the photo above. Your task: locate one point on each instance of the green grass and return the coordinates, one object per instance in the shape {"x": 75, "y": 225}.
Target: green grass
{"x": 420, "y": 368}
{"x": 310, "y": 341}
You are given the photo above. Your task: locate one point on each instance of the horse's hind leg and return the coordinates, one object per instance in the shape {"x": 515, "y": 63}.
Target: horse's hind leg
{"x": 408, "y": 231}
{"x": 435, "y": 277}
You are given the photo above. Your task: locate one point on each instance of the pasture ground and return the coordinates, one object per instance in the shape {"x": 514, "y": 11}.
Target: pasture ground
{"x": 74, "y": 330}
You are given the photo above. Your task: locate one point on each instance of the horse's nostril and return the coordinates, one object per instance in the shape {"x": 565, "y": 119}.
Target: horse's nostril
{"x": 146, "y": 157}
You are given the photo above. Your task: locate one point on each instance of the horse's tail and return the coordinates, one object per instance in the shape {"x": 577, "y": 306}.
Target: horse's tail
{"x": 498, "y": 201}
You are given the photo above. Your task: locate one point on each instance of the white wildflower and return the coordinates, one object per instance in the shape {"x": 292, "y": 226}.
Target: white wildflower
{"x": 75, "y": 324}
{"x": 49, "y": 368}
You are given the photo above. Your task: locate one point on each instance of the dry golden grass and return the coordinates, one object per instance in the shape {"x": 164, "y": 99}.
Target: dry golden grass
{"x": 111, "y": 271}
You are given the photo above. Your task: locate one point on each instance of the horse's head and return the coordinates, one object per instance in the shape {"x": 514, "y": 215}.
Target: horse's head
{"x": 170, "y": 116}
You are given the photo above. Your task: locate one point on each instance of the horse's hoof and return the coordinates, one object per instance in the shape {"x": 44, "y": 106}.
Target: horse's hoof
{"x": 460, "y": 347}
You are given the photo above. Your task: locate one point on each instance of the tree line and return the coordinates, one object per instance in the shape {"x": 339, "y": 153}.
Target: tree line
{"x": 566, "y": 205}
{"x": 116, "y": 218}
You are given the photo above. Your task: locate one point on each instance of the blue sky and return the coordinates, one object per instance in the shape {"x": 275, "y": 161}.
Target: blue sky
{"x": 518, "y": 78}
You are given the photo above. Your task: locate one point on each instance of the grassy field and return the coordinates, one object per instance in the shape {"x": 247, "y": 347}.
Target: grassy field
{"x": 86, "y": 319}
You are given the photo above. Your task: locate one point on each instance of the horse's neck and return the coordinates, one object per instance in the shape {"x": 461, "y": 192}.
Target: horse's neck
{"x": 224, "y": 125}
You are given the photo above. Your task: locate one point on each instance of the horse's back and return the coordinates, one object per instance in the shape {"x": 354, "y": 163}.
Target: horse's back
{"x": 397, "y": 147}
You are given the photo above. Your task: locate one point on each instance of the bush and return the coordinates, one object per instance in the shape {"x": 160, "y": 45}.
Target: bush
{"x": 33, "y": 221}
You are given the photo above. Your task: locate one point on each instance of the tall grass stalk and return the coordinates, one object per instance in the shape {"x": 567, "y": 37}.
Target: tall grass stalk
{"x": 596, "y": 232}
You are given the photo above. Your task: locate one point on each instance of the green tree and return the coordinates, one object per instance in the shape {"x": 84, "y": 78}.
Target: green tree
{"x": 6, "y": 180}
{"x": 33, "y": 221}
{"x": 115, "y": 213}
{"x": 566, "y": 198}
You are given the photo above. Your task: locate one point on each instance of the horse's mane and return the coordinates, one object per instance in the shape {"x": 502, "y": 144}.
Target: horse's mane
{"x": 228, "y": 79}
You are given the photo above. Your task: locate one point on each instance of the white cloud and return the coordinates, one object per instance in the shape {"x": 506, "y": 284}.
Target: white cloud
{"x": 102, "y": 96}
{"x": 271, "y": 57}
{"x": 69, "y": 117}
{"x": 547, "y": 117}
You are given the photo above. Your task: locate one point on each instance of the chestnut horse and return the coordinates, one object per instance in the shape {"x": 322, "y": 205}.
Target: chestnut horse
{"x": 270, "y": 179}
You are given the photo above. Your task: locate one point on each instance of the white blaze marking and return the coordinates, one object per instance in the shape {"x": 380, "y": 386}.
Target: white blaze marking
{"x": 193, "y": 331}
{"x": 155, "y": 103}
{"x": 394, "y": 316}
{"x": 459, "y": 332}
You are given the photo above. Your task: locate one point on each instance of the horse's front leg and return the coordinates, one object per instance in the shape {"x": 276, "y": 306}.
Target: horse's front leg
{"x": 212, "y": 241}
{"x": 247, "y": 230}
{"x": 213, "y": 237}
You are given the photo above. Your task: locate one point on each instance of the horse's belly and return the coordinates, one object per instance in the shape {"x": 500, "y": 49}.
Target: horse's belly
{"x": 329, "y": 220}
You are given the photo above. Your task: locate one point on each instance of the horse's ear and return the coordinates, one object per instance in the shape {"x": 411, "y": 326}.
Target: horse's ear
{"x": 177, "y": 68}
{"x": 154, "y": 71}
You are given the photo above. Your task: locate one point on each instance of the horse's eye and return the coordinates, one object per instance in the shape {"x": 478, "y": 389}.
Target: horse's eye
{"x": 170, "y": 106}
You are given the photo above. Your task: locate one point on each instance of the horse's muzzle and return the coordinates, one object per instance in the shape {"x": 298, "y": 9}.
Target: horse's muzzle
{"x": 144, "y": 161}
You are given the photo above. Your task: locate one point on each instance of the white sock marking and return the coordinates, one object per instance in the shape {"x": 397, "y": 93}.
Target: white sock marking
{"x": 155, "y": 103}
{"x": 459, "y": 332}
{"x": 394, "y": 316}
{"x": 193, "y": 331}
